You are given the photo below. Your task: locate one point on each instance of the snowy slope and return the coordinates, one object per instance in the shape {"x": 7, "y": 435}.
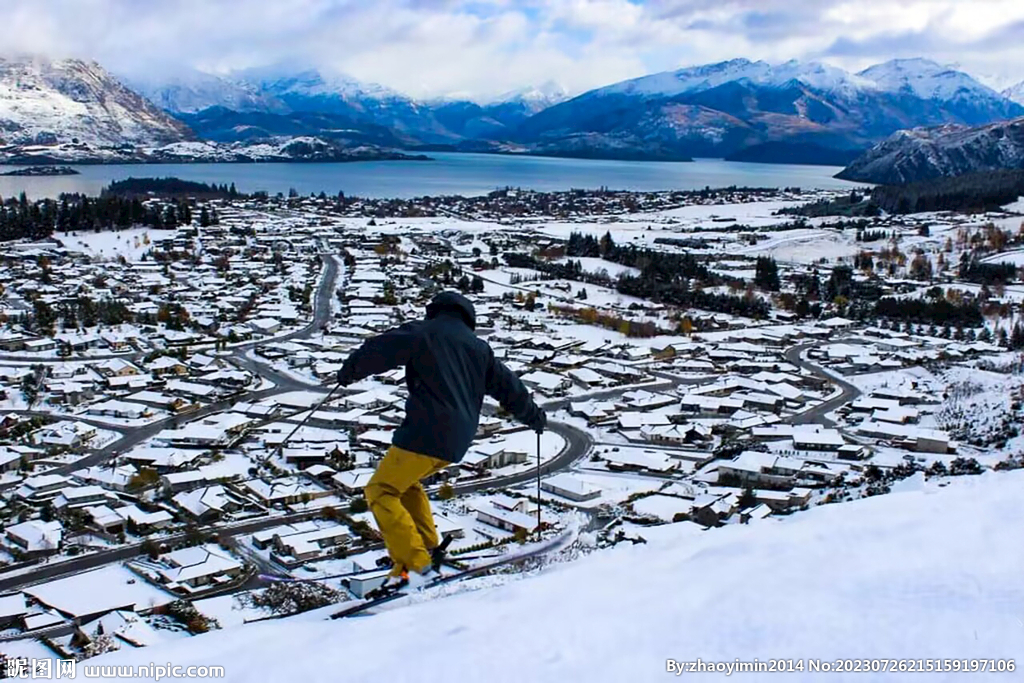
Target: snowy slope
{"x": 927, "y": 572}
{"x": 1015, "y": 93}
{"x": 721, "y": 109}
{"x": 708, "y": 76}
{"x": 925, "y": 79}
{"x": 924, "y": 153}
{"x": 194, "y": 91}
{"x": 44, "y": 101}
{"x": 534, "y": 97}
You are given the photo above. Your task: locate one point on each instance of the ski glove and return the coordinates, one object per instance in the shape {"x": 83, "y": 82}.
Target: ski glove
{"x": 539, "y": 421}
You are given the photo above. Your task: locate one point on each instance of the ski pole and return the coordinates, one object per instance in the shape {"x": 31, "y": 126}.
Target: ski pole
{"x": 538, "y": 483}
{"x": 313, "y": 409}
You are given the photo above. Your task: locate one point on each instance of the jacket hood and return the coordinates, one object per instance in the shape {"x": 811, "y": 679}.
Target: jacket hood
{"x": 452, "y": 302}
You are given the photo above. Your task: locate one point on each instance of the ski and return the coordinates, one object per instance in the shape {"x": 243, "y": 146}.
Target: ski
{"x": 439, "y": 556}
{"x": 551, "y": 545}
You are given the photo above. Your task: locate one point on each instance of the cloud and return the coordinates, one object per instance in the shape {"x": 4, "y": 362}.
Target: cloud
{"x": 483, "y": 47}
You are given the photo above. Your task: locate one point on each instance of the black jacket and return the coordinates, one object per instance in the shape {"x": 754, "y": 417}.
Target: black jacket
{"x": 448, "y": 369}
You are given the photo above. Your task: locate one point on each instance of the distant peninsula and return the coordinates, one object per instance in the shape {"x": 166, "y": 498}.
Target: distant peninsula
{"x": 41, "y": 171}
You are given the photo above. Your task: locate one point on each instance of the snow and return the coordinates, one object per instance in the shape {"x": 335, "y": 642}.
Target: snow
{"x": 1015, "y": 93}
{"x": 131, "y": 244}
{"x": 62, "y": 100}
{"x": 925, "y": 79}
{"x": 923, "y": 573}
{"x": 662, "y": 507}
{"x": 99, "y": 590}
{"x": 708, "y": 76}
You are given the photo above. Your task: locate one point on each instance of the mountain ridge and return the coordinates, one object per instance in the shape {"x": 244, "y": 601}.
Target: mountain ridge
{"x": 943, "y": 151}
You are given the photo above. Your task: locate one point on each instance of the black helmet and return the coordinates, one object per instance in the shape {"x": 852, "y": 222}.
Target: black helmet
{"x": 453, "y": 302}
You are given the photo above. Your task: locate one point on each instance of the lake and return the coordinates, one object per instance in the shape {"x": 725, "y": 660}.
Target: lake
{"x": 448, "y": 173}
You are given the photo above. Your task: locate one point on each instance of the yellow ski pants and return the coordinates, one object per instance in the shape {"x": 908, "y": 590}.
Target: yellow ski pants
{"x": 400, "y": 505}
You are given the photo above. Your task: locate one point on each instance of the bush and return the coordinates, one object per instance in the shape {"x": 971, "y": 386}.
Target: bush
{"x": 293, "y": 598}
{"x": 358, "y": 505}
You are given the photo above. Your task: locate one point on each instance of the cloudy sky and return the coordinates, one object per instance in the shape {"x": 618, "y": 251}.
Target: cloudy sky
{"x": 481, "y": 48}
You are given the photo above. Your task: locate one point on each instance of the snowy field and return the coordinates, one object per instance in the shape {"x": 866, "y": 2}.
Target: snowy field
{"x": 923, "y": 573}
{"x": 131, "y": 243}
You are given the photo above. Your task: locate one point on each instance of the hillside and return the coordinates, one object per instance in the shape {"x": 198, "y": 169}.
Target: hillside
{"x": 947, "y": 151}
{"x": 793, "y": 112}
{"x": 721, "y": 109}
{"x": 77, "y": 102}
{"x": 931, "y": 570}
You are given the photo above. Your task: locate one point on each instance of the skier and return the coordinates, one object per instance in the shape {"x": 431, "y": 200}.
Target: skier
{"x": 448, "y": 370}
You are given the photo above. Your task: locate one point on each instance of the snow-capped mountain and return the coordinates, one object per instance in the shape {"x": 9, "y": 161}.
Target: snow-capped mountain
{"x": 535, "y": 97}
{"x": 929, "y": 569}
{"x": 722, "y": 109}
{"x": 194, "y": 91}
{"x": 760, "y": 73}
{"x": 1015, "y": 93}
{"x": 72, "y": 101}
{"x": 950, "y": 150}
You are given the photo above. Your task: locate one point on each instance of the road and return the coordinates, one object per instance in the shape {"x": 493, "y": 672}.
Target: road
{"x": 75, "y": 565}
{"x": 578, "y": 444}
{"x": 848, "y": 392}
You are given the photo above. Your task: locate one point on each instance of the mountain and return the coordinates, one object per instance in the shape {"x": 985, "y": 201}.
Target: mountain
{"x": 295, "y": 97}
{"x": 496, "y": 119}
{"x": 193, "y": 91}
{"x": 1015, "y": 93}
{"x": 721, "y": 109}
{"x": 951, "y": 150}
{"x": 312, "y": 91}
{"x": 928, "y": 571}
{"x": 71, "y": 101}
{"x": 226, "y": 125}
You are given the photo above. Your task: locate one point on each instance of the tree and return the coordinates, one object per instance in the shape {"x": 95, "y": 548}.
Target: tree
{"x": 358, "y": 505}
{"x": 921, "y": 268}
{"x": 766, "y": 274}
{"x": 748, "y": 499}
{"x": 446, "y": 492}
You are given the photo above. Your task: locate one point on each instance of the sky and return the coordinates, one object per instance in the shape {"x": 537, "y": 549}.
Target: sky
{"x": 482, "y": 48}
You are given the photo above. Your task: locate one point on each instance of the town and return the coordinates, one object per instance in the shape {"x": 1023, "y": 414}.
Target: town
{"x": 705, "y": 358}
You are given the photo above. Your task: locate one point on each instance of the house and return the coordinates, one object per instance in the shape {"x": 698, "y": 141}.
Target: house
{"x": 120, "y": 409}
{"x": 116, "y": 367}
{"x": 105, "y": 519}
{"x": 284, "y": 491}
{"x": 73, "y": 497}
{"x": 292, "y": 549}
{"x": 34, "y": 538}
{"x": 188, "y": 570}
{"x": 141, "y": 522}
{"x": 174, "y": 482}
{"x": 41, "y": 489}
{"x": 817, "y": 439}
{"x": 571, "y": 487}
{"x": 508, "y": 520}
{"x": 675, "y": 434}
{"x": 546, "y": 383}
{"x": 633, "y": 459}
{"x": 168, "y": 365}
{"x": 353, "y": 481}
{"x": 208, "y": 503}
{"x": 491, "y": 456}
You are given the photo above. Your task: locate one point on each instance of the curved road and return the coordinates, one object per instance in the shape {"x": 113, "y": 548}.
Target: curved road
{"x": 817, "y": 414}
